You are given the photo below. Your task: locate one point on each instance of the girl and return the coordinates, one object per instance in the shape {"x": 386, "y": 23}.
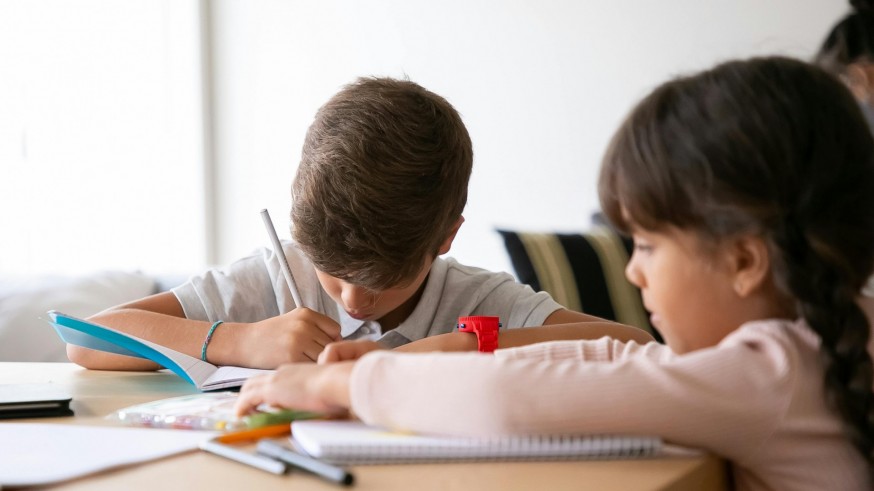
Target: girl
{"x": 749, "y": 192}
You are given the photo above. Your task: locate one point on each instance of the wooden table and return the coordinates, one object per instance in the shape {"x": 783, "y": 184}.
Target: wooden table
{"x": 96, "y": 394}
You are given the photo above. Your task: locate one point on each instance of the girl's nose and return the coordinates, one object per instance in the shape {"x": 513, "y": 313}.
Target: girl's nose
{"x": 633, "y": 272}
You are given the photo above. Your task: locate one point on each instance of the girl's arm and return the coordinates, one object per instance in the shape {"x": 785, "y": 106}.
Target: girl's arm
{"x": 726, "y": 399}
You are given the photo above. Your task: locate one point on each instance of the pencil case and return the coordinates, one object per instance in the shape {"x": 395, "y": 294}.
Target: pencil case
{"x": 212, "y": 411}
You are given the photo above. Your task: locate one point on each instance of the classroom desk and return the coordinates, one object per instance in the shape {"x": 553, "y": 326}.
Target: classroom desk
{"x": 96, "y": 394}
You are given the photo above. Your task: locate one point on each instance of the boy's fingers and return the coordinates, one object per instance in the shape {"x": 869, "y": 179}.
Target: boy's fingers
{"x": 331, "y": 328}
{"x": 318, "y": 338}
{"x": 327, "y": 332}
{"x": 327, "y": 325}
{"x": 317, "y": 345}
{"x": 312, "y": 351}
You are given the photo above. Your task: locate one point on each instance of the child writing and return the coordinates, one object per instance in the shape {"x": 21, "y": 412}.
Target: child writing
{"x": 377, "y": 198}
{"x": 749, "y": 192}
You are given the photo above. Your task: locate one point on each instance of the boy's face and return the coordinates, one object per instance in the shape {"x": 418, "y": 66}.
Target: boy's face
{"x": 390, "y": 306}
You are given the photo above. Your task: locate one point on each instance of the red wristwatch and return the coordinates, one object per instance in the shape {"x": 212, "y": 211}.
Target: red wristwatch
{"x": 486, "y": 329}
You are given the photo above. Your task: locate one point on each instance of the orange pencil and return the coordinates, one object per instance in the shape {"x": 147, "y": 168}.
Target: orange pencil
{"x": 256, "y": 433}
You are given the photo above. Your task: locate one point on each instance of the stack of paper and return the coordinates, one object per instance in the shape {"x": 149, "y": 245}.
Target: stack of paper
{"x": 37, "y": 454}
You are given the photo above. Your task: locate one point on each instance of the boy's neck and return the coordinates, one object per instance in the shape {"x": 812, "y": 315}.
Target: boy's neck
{"x": 394, "y": 318}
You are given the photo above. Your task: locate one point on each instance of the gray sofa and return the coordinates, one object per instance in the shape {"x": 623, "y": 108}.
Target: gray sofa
{"x": 24, "y": 333}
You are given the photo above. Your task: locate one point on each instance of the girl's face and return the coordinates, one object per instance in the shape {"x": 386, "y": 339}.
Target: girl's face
{"x": 687, "y": 288}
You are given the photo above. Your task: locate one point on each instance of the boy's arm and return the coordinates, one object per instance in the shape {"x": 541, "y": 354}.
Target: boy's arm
{"x": 149, "y": 318}
{"x": 560, "y": 325}
{"x": 299, "y": 335}
{"x": 596, "y": 327}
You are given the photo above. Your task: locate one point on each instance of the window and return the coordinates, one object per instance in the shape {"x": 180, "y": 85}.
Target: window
{"x": 101, "y": 136}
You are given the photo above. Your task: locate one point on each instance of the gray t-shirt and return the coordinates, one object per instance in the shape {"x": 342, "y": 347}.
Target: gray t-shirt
{"x": 253, "y": 289}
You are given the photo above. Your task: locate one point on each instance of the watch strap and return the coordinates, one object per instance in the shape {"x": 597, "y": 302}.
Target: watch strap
{"x": 485, "y": 328}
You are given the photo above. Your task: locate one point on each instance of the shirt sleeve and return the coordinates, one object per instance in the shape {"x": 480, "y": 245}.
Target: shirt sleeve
{"x": 244, "y": 291}
{"x": 524, "y": 306}
{"x": 604, "y": 349}
{"x": 726, "y": 399}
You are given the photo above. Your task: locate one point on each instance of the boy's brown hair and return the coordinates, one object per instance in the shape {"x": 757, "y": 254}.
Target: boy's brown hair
{"x": 382, "y": 180}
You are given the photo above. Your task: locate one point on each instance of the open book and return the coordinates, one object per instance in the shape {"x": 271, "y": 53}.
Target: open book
{"x": 352, "y": 442}
{"x": 203, "y": 375}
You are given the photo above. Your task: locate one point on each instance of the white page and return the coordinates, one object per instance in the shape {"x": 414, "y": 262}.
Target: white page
{"x": 229, "y": 376}
{"x": 38, "y": 453}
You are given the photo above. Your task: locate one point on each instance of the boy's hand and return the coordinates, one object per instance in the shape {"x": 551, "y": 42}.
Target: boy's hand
{"x": 302, "y": 386}
{"x": 299, "y": 335}
{"x": 347, "y": 350}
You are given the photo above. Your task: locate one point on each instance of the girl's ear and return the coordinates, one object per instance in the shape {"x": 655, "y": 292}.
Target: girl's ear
{"x": 447, "y": 243}
{"x": 750, "y": 263}
{"x": 859, "y": 77}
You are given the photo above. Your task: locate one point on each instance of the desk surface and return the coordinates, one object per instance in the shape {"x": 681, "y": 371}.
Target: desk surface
{"x": 96, "y": 394}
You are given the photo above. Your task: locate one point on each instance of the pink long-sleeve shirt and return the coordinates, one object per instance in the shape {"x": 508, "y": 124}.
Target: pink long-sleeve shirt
{"x": 756, "y": 399}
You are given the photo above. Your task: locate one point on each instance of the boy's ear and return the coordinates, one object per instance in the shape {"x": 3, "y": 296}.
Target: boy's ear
{"x": 447, "y": 243}
{"x": 750, "y": 263}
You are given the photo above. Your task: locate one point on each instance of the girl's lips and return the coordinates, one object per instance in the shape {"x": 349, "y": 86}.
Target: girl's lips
{"x": 358, "y": 315}
{"x": 655, "y": 320}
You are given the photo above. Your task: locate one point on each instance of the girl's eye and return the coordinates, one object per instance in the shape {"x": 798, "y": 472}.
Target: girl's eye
{"x": 642, "y": 247}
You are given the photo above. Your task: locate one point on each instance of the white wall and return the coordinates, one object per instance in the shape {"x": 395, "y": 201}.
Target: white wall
{"x": 541, "y": 86}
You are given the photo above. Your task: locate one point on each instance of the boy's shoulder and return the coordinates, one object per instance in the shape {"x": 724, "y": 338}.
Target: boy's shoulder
{"x": 455, "y": 271}
{"x": 454, "y": 289}
{"x": 456, "y": 282}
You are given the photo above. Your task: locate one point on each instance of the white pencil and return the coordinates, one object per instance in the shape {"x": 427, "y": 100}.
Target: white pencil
{"x": 283, "y": 261}
{"x": 257, "y": 461}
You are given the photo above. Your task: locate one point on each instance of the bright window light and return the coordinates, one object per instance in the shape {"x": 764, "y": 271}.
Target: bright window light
{"x": 101, "y": 136}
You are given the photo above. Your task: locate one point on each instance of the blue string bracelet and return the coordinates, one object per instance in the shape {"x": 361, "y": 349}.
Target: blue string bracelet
{"x": 207, "y": 340}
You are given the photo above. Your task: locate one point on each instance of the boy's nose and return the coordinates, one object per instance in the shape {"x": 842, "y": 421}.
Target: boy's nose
{"x": 356, "y": 297}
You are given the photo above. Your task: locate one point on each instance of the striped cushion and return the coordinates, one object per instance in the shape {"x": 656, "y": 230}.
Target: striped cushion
{"x": 584, "y": 272}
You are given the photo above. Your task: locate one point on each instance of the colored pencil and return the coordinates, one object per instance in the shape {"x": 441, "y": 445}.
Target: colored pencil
{"x": 255, "y": 433}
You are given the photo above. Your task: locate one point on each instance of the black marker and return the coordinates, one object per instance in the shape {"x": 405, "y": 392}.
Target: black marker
{"x": 298, "y": 460}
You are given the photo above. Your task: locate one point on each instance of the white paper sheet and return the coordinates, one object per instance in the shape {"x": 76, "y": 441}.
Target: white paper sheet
{"x": 37, "y": 453}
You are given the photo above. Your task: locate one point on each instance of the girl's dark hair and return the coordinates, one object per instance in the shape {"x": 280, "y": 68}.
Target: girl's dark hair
{"x": 778, "y": 148}
{"x": 851, "y": 40}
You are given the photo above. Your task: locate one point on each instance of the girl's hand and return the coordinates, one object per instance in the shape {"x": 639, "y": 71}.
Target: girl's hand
{"x": 302, "y": 386}
{"x": 296, "y": 336}
{"x": 347, "y": 350}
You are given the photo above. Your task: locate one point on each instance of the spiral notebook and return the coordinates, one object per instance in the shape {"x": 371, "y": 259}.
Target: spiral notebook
{"x": 354, "y": 443}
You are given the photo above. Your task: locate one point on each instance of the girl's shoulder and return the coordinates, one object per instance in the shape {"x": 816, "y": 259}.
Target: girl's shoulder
{"x": 795, "y": 334}
{"x": 785, "y": 343}
{"x": 777, "y": 330}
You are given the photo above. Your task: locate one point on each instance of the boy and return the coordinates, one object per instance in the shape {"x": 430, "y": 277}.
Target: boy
{"x": 377, "y": 199}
